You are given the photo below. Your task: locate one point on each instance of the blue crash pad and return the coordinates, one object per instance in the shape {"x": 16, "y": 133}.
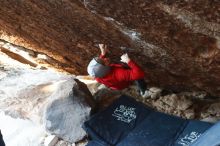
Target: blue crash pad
{"x": 210, "y": 138}
{"x": 109, "y": 126}
{"x": 130, "y": 123}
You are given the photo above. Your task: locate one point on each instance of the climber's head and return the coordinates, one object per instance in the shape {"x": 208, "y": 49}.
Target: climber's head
{"x": 98, "y": 67}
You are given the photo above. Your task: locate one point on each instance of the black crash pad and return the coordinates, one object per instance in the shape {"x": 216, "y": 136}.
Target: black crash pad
{"x": 130, "y": 123}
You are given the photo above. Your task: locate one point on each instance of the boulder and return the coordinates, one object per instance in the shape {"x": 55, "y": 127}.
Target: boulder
{"x": 177, "y": 42}
{"x": 67, "y": 110}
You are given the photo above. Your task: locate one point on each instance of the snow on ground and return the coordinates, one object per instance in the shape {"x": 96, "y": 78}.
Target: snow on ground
{"x": 19, "y": 132}
{"x": 19, "y": 82}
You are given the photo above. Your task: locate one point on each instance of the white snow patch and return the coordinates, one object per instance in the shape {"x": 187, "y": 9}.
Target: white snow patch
{"x": 18, "y": 132}
{"x": 18, "y": 83}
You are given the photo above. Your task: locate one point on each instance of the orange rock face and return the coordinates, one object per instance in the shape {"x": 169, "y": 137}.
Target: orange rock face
{"x": 177, "y": 42}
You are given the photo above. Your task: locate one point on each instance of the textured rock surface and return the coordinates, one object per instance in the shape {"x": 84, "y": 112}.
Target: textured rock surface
{"x": 212, "y": 110}
{"x": 177, "y": 41}
{"x": 68, "y": 110}
{"x": 177, "y": 105}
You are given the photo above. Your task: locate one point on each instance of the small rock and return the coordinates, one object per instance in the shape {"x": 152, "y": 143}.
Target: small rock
{"x": 211, "y": 119}
{"x": 189, "y": 114}
{"x": 178, "y": 102}
{"x": 155, "y": 92}
{"x": 212, "y": 111}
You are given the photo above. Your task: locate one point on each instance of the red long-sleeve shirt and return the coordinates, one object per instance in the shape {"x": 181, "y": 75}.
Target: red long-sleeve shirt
{"x": 120, "y": 77}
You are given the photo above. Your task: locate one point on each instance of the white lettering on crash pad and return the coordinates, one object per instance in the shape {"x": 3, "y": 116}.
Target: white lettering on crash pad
{"x": 124, "y": 113}
{"x": 189, "y": 138}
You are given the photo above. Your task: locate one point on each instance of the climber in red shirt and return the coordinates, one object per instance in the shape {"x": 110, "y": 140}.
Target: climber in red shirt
{"x": 117, "y": 76}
